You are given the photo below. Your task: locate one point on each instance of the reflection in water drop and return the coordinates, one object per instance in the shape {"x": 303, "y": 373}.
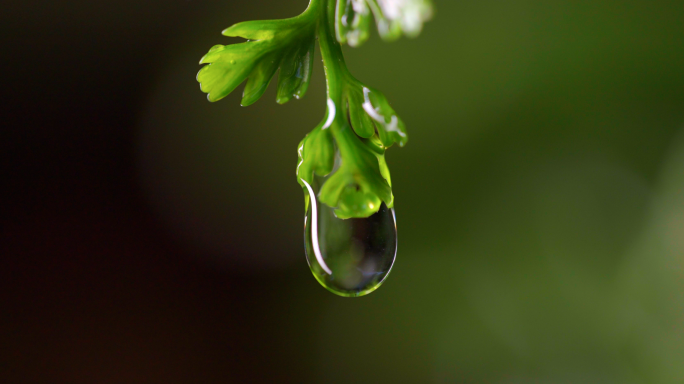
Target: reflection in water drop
{"x": 349, "y": 257}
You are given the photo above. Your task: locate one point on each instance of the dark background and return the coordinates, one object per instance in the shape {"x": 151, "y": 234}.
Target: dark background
{"x": 148, "y": 236}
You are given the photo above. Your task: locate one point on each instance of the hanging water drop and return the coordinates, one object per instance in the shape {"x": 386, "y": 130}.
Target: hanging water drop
{"x": 349, "y": 257}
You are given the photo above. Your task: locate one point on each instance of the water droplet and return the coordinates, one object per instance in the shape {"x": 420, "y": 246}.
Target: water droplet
{"x": 232, "y": 61}
{"x": 349, "y": 257}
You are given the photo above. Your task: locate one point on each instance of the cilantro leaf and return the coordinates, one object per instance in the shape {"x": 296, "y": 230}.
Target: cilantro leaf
{"x": 358, "y": 186}
{"x": 287, "y": 44}
{"x": 316, "y": 155}
{"x": 348, "y": 148}
{"x": 369, "y": 113}
{"x": 358, "y": 179}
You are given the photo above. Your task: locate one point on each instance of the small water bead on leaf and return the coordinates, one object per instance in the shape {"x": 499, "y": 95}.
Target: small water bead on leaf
{"x": 350, "y": 257}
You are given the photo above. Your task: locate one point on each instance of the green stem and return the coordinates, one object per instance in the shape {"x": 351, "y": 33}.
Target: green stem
{"x": 337, "y": 75}
{"x": 313, "y": 8}
{"x": 331, "y": 51}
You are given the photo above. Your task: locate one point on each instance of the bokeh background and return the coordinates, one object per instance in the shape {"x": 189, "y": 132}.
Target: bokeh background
{"x": 149, "y": 236}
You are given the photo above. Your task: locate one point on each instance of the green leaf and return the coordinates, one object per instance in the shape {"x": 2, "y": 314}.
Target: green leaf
{"x": 369, "y": 113}
{"x": 287, "y": 44}
{"x": 360, "y": 181}
{"x": 352, "y": 22}
{"x": 392, "y": 17}
{"x": 358, "y": 186}
{"x": 295, "y": 72}
{"x": 316, "y": 155}
{"x": 389, "y": 127}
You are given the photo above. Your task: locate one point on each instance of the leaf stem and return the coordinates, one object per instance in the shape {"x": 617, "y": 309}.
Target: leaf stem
{"x": 313, "y": 8}
{"x": 331, "y": 51}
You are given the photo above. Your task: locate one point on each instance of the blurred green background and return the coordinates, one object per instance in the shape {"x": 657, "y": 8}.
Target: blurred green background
{"x": 154, "y": 237}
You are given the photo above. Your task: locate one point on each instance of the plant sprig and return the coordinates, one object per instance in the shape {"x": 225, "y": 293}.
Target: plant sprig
{"x": 359, "y": 125}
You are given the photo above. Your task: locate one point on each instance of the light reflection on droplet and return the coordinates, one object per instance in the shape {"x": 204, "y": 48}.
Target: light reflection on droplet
{"x": 314, "y": 230}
